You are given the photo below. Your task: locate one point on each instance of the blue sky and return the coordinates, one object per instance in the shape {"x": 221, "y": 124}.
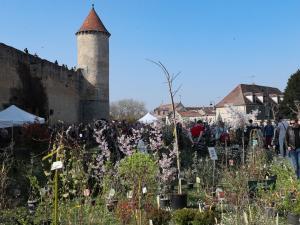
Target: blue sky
{"x": 214, "y": 44}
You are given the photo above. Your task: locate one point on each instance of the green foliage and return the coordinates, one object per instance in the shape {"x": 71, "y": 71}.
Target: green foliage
{"x": 205, "y": 218}
{"x": 184, "y": 216}
{"x": 195, "y": 217}
{"x": 18, "y": 216}
{"x": 124, "y": 211}
{"x": 82, "y": 212}
{"x": 291, "y": 93}
{"x": 137, "y": 171}
{"x": 159, "y": 216}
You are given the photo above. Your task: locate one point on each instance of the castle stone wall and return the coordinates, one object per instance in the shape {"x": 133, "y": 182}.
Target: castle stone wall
{"x": 62, "y": 86}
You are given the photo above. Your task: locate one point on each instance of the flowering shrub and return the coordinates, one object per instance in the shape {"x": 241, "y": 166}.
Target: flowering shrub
{"x": 239, "y": 119}
{"x": 125, "y": 210}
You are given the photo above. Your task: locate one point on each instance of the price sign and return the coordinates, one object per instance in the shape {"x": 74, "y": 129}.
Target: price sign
{"x": 212, "y": 153}
{"x": 112, "y": 193}
{"x": 144, "y": 190}
{"x": 57, "y": 165}
{"x": 130, "y": 194}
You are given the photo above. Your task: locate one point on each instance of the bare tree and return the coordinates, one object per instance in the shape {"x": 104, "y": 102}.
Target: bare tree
{"x": 170, "y": 82}
{"x": 297, "y": 106}
{"x": 275, "y": 110}
{"x": 127, "y": 109}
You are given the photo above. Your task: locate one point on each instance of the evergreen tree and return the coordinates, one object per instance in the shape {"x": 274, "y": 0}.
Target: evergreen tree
{"x": 288, "y": 107}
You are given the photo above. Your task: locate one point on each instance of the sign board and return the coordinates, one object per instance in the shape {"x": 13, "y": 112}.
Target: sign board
{"x": 57, "y": 165}
{"x": 144, "y": 190}
{"x": 212, "y": 153}
{"x": 112, "y": 193}
{"x": 130, "y": 194}
{"x": 254, "y": 142}
{"x": 86, "y": 192}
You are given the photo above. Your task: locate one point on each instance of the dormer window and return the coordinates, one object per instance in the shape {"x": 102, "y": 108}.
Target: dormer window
{"x": 260, "y": 97}
{"x": 281, "y": 97}
{"x": 249, "y": 96}
{"x": 274, "y": 97}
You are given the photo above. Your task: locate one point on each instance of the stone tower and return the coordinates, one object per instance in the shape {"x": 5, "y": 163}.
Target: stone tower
{"x": 93, "y": 60}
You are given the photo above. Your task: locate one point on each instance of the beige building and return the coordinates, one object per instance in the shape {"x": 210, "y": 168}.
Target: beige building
{"x": 248, "y": 97}
{"x": 56, "y": 92}
{"x": 166, "y": 109}
{"x": 186, "y": 114}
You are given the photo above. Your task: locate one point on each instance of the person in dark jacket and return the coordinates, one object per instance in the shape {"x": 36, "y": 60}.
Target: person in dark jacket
{"x": 268, "y": 133}
{"x": 293, "y": 144}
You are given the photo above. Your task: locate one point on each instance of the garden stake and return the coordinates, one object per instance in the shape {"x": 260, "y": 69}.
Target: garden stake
{"x": 55, "y": 208}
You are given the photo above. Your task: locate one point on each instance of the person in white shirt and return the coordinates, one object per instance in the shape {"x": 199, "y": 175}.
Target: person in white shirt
{"x": 282, "y": 127}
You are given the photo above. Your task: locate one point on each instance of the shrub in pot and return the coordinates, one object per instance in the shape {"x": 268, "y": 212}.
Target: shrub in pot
{"x": 294, "y": 215}
{"x": 178, "y": 201}
{"x": 184, "y": 216}
{"x": 124, "y": 211}
{"x": 159, "y": 216}
{"x": 205, "y": 218}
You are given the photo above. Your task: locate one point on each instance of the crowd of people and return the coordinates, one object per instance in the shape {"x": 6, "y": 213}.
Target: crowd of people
{"x": 281, "y": 136}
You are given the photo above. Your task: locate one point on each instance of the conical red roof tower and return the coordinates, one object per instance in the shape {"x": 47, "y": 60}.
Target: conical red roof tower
{"x": 93, "y": 23}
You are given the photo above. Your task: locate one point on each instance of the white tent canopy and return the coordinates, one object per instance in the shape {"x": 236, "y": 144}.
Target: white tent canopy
{"x": 14, "y": 116}
{"x": 148, "y": 118}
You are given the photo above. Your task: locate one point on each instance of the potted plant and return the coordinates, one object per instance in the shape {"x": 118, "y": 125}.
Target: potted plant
{"x": 294, "y": 214}
{"x": 184, "y": 216}
{"x": 159, "y": 216}
{"x": 138, "y": 172}
{"x": 167, "y": 174}
{"x": 178, "y": 200}
{"x": 190, "y": 177}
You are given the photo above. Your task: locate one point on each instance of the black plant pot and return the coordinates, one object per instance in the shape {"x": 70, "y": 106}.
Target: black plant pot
{"x": 266, "y": 184}
{"x": 111, "y": 205}
{"x": 32, "y": 204}
{"x": 164, "y": 203}
{"x": 293, "y": 219}
{"x": 190, "y": 186}
{"x": 178, "y": 201}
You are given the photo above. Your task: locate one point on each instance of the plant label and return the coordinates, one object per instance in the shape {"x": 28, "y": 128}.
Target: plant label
{"x": 112, "y": 193}
{"x": 144, "y": 190}
{"x": 150, "y": 222}
{"x": 198, "y": 181}
{"x": 57, "y": 165}
{"x": 212, "y": 153}
{"x": 231, "y": 162}
{"x": 130, "y": 194}
{"x": 86, "y": 192}
{"x": 158, "y": 201}
{"x": 254, "y": 142}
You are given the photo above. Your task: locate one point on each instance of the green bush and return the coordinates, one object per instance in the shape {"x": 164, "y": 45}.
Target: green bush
{"x": 137, "y": 171}
{"x": 184, "y": 216}
{"x": 195, "y": 217}
{"x": 159, "y": 217}
{"x": 205, "y": 218}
